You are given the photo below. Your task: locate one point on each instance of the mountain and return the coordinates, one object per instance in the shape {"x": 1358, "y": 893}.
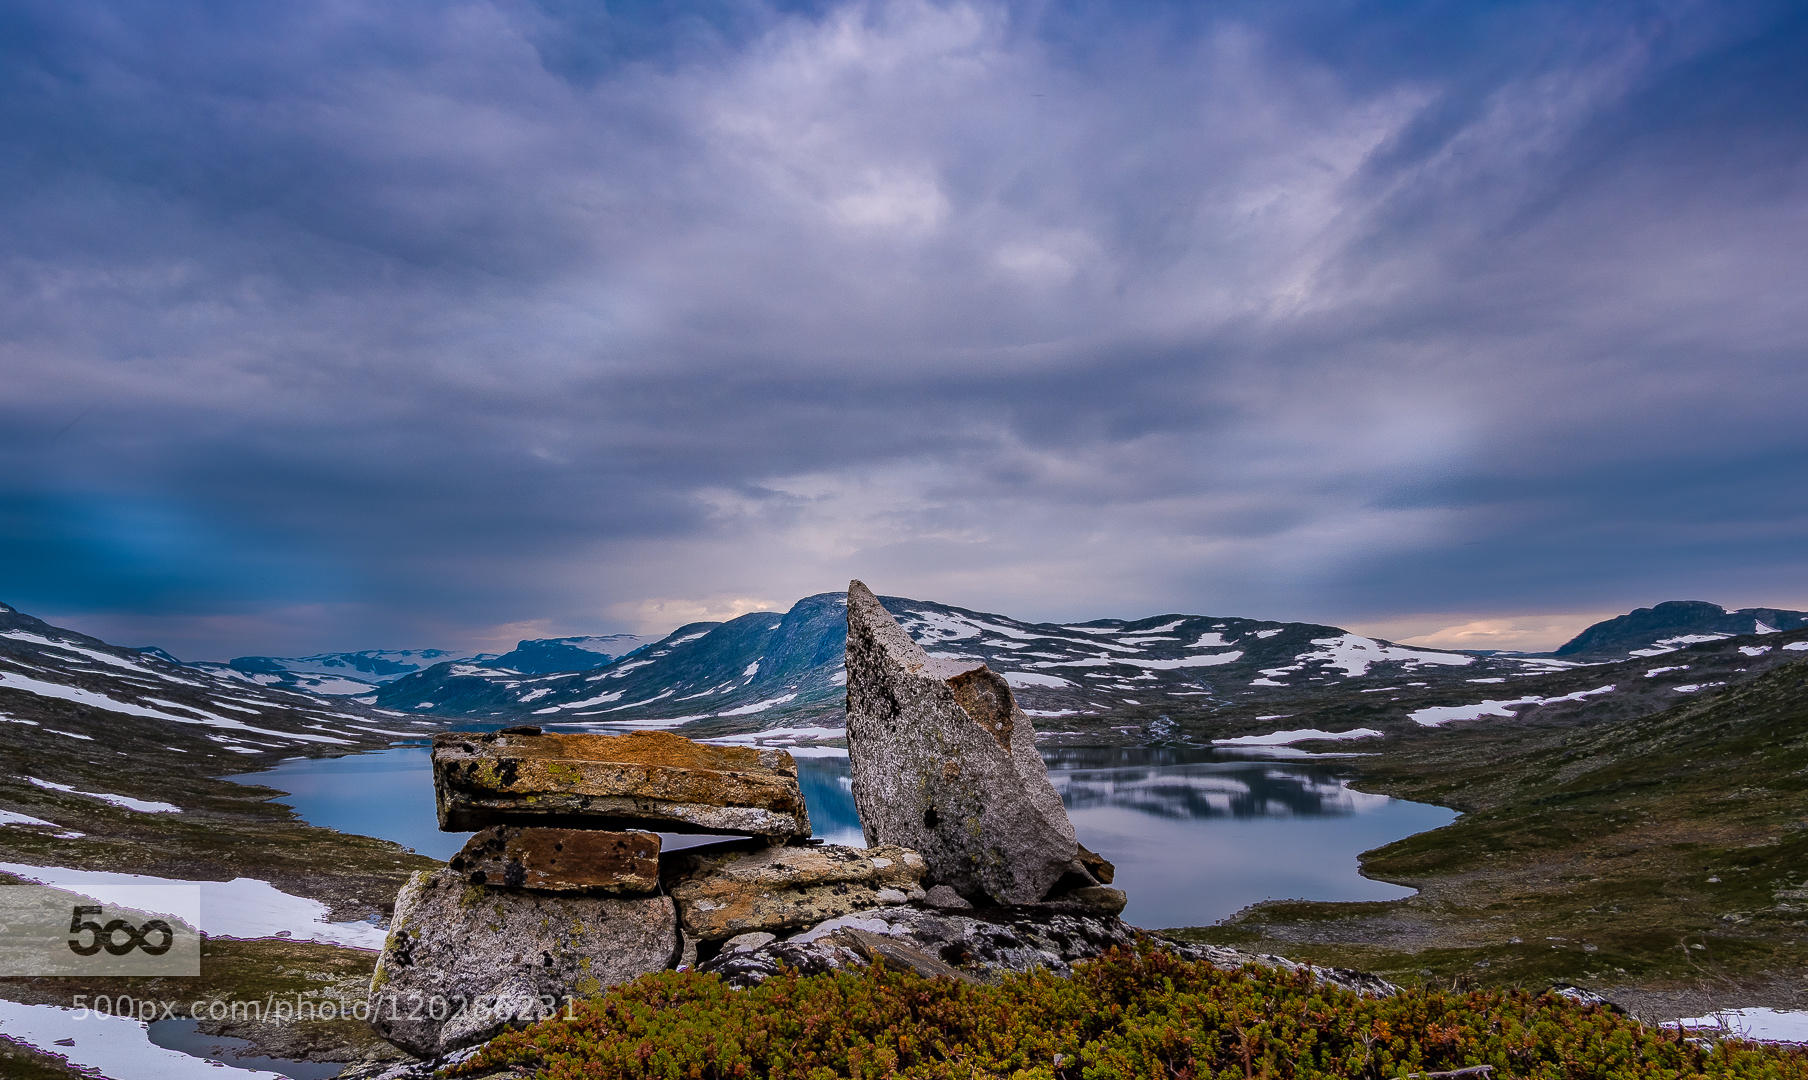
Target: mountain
{"x": 1673, "y": 624}
{"x": 770, "y": 665}
{"x": 543, "y": 656}
{"x": 67, "y": 697}
{"x": 340, "y": 674}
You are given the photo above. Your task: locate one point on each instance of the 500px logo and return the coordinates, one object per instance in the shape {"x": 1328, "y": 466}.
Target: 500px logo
{"x": 133, "y": 931}
{"x": 108, "y": 936}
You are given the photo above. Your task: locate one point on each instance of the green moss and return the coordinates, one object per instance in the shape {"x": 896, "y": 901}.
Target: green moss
{"x": 1127, "y": 1015}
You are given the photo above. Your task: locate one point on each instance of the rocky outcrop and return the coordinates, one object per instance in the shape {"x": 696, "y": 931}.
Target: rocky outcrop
{"x": 724, "y": 894}
{"x": 945, "y": 763}
{"x": 465, "y": 961}
{"x": 647, "y": 779}
{"x": 561, "y": 860}
{"x": 551, "y": 900}
{"x": 967, "y": 944}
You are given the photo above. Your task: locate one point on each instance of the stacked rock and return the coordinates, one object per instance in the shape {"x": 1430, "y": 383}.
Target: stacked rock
{"x": 562, "y": 892}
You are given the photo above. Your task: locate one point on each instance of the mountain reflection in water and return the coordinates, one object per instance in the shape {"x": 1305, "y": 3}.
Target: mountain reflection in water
{"x": 1196, "y": 834}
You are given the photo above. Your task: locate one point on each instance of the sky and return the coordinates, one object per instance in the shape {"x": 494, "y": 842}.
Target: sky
{"x": 343, "y": 325}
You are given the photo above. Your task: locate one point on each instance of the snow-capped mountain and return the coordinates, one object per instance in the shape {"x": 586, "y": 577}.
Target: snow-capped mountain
{"x": 340, "y": 674}
{"x": 768, "y": 664}
{"x": 1673, "y": 625}
{"x": 356, "y": 674}
{"x": 542, "y": 656}
{"x": 63, "y": 693}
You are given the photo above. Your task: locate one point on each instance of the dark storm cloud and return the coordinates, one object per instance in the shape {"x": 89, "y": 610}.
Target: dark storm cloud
{"x": 332, "y": 325}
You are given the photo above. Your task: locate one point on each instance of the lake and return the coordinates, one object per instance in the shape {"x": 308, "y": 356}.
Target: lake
{"x": 1196, "y": 834}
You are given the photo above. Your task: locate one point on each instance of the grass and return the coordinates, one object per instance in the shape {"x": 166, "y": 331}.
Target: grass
{"x": 1662, "y": 855}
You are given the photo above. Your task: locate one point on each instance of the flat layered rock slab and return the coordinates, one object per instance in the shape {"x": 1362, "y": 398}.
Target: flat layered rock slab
{"x": 646, "y": 779}
{"x": 561, "y": 860}
{"x": 726, "y": 893}
{"x": 463, "y": 962}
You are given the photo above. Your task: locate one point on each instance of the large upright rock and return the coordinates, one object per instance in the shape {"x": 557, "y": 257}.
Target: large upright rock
{"x": 945, "y": 764}
{"x": 647, "y": 779}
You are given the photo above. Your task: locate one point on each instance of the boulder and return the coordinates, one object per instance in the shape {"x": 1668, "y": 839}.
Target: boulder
{"x": 463, "y": 961}
{"x": 945, "y": 763}
{"x": 970, "y": 945}
{"x": 647, "y": 779}
{"x": 729, "y": 890}
{"x": 561, "y": 860}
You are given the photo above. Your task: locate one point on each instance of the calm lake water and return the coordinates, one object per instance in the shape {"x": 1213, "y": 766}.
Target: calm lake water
{"x": 1196, "y": 834}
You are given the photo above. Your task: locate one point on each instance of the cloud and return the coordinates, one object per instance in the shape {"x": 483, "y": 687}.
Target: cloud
{"x": 450, "y": 318}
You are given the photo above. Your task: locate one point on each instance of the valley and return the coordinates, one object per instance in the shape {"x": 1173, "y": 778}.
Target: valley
{"x": 1631, "y": 823}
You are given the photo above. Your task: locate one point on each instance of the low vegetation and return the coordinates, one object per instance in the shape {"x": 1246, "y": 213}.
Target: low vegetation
{"x": 1147, "y": 1013}
{"x": 1657, "y": 859}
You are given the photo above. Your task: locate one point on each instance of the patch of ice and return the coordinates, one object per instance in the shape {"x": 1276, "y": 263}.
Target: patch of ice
{"x": 106, "y": 1045}
{"x": 1265, "y": 682}
{"x": 1266, "y": 633}
{"x": 244, "y": 908}
{"x": 1052, "y": 712}
{"x": 1759, "y": 1024}
{"x": 1758, "y": 627}
{"x": 758, "y": 706}
{"x": 102, "y": 701}
{"x": 13, "y": 817}
{"x": 1284, "y": 738}
{"x": 839, "y": 678}
{"x": 1796, "y": 646}
{"x": 1354, "y": 654}
{"x": 96, "y": 656}
{"x": 603, "y": 699}
{"x": 1671, "y": 644}
{"x": 1444, "y": 714}
{"x": 71, "y": 734}
{"x": 751, "y": 670}
{"x": 1199, "y": 660}
{"x": 143, "y": 806}
{"x": 534, "y": 695}
{"x": 1164, "y": 628}
{"x": 1664, "y": 670}
{"x": 1755, "y": 650}
{"x": 1021, "y": 679}
{"x": 646, "y": 701}
{"x": 1206, "y": 641}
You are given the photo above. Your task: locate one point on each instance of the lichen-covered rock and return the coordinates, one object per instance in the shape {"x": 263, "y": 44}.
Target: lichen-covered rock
{"x": 982, "y": 945}
{"x": 561, "y": 860}
{"x": 644, "y": 779}
{"x": 727, "y": 890}
{"x": 465, "y": 961}
{"x": 945, "y": 763}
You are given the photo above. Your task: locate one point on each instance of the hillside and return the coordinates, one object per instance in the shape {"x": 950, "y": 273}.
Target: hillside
{"x": 1673, "y": 624}
{"x": 1649, "y": 857}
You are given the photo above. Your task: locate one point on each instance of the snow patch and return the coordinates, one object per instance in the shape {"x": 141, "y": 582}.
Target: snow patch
{"x": 1284, "y": 738}
{"x": 243, "y": 908}
{"x": 143, "y": 806}
{"x": 1021, "y": 679}
{"x": 109, "y": 1045}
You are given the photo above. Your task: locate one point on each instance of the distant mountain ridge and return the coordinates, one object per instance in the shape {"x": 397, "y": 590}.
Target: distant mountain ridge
{"x": 768, "y": 665}
{"x": 1674, "y": 624}
{"x": 65, "y": 695}
{"x": 359, "y": 674}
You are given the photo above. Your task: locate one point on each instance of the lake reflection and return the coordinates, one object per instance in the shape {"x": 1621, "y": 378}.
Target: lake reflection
{"x": 1196, "y": 834}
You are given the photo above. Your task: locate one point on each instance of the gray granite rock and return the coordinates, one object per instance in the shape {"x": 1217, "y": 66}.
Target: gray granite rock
{"x": 463, "y": 962}
{"x": 726, "y": 890}
{"x": 975, "y": 945}
{"x": 945, "y": 763}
